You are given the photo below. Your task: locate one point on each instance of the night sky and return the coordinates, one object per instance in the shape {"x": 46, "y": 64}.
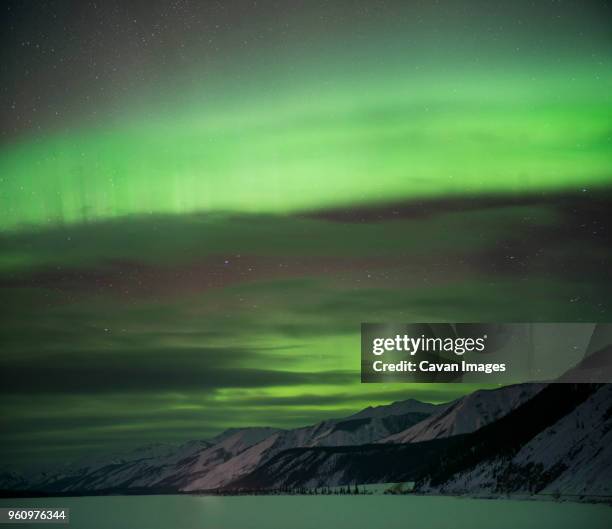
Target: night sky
{"x": 201, "y": 202}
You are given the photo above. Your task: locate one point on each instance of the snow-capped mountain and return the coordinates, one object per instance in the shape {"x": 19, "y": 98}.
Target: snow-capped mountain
{"x": 161, "y": 467}
{"x": 534, "y": 447}
{"x": 467, "y": 414}
{"x": 519, "y": 439}
{"x": 231, "y": 469}
{"x": 571, "y": 457}
{"x": 354, "y": 430}
{"x": 200, "y": 465}
{"x": 317, "y": 467}
{"x": 306, "y": 462}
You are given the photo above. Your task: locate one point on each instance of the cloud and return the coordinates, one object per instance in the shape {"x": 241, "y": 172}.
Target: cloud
{"x": 154, "y": 371}
{"x": 171, "y": 327}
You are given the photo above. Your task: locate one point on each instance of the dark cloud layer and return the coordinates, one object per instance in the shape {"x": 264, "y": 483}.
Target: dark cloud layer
{"x": 99, "y": 377}
{"x": 150, "y": 329}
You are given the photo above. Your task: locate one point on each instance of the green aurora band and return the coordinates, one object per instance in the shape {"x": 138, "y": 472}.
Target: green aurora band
{"x": 357, "y": 142}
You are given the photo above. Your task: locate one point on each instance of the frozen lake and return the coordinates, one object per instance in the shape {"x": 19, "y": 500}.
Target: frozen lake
{"x": 317, "y": 512}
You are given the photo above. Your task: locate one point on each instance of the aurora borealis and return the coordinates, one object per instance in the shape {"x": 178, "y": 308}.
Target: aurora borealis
{"x": 201, "y": 203}
{"x": 511, "y": 140}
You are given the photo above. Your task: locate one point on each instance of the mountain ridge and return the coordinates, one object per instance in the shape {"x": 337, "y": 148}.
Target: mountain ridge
{"x": 208, "y": 464}
{"x": 483, "y": 443}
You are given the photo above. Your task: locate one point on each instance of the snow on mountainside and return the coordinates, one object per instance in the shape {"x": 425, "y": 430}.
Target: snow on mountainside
{"x": 162, "y": 468}
{"x": 338, "y": 432}
{"x": 218, "y": 455}
{"x": 157, "y": 451}
{"x": 467, "y": 414}
{"x": 105, "y": 472}
{"x": 198, "y": 465}
{"x": 557, "y": 441}
{"x": 351, "y": 431}
{"x": 233, "y": 468}
{"x": 572, "y": 457}
{"x": 523, "y": 439}
{"x": 343, "y": 465}
{"x": 236, "y": 440}
{"x": 288, "y": 466}
{"x": 582, "y": 443}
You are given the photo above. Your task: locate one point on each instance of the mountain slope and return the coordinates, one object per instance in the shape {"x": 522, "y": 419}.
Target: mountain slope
{"x": 570, "y": 456}
{"x": 165, "y": 468}
{"x": 344, "y": 465}
{"x": 199, "y": 465}
{"x": 467, "y": 414}
{"x": 434, "y": 463}
{"x": 350, "y": 431}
